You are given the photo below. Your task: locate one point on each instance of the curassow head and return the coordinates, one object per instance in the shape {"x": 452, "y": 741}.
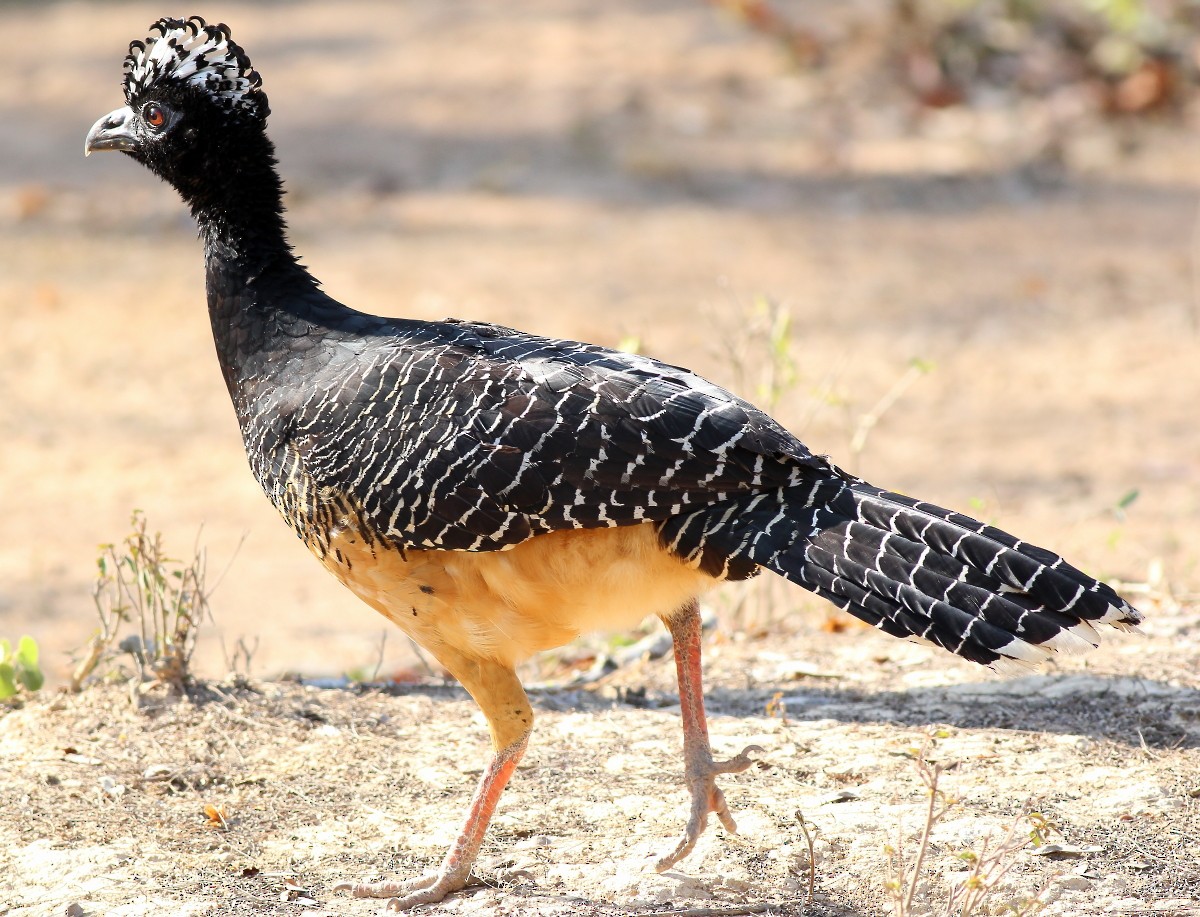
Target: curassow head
{"x": 195, "y": 111}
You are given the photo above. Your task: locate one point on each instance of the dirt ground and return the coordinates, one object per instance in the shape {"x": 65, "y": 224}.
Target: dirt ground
{"x": 632, "y": 171}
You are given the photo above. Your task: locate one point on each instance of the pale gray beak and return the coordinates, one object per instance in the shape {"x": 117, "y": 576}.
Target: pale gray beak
{"x": 111, "y": 133}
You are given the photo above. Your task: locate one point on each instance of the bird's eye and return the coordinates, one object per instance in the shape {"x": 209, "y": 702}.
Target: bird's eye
{"x": 154, "y": 115}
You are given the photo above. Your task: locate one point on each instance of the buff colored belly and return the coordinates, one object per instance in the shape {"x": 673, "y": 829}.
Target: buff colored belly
{"x": 507, "y": 605}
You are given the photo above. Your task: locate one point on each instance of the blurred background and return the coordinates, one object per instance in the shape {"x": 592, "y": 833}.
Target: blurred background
{"x": 950, "y": 243}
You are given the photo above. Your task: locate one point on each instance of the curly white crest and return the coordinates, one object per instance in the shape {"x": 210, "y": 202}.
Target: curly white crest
{"x": 191, "y": 51}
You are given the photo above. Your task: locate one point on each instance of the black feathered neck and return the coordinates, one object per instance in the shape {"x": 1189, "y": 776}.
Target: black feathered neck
{"x": 225, "y": 169}
{"x": 263, "y": 304}
{"x": 238, "y": 206}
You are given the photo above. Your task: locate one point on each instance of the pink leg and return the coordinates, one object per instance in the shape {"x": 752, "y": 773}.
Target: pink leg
{"x": 500, "y": 695}
{"x": 456, "y": 867}
{"x": 700, "y": 770}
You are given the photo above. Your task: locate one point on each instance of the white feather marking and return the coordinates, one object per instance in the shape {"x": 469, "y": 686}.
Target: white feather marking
{"x": 198, "y": 54}
{"x": 1018, "y": 650}
{"x": 1081, "y": 638}
{"x": 1122, "y": 617}
{"x": 1007, "y": 666}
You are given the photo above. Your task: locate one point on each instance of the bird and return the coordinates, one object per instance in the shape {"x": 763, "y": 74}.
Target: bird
{"x": 495, "y": 493}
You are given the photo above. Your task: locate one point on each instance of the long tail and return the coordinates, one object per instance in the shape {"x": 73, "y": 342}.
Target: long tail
{"x": 917, "y": 571}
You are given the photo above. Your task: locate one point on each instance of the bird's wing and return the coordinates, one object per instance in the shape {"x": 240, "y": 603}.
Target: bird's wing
{"x": 467, "y": 436}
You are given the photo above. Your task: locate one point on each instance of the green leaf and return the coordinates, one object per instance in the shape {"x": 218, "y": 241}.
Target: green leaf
{"x": 1124, "y": 503}
{"x": 30, "y": 679}
{"x": 8, "y": 685}
{"x": 27, "y": 652}
{"x": 630, "y": 343}
{"x": 923, "y": 366}
{"x": 5, "y": 649}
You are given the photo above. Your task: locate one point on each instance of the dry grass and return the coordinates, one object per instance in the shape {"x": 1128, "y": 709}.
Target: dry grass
{"x": 156, "y": 602}
{"x": 908, "y": 880}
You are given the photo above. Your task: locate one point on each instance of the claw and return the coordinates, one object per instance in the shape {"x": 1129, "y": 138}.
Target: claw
{"x": 707, "y": 799}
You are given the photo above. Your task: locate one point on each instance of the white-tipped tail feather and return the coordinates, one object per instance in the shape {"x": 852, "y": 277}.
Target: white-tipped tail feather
{"x": 915, "y": 570}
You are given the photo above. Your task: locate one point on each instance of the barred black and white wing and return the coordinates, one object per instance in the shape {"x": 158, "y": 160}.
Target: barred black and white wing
{"x": 471, "y": 437}
{"x": 458, "y": 436}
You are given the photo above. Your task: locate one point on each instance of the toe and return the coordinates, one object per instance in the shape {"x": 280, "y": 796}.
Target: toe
{"x": 392, "y": 890}
{"x": 682, "y": 849}
{"x": 370, "y": 889}
{"x": 720, "y": 807}
{"x": 738, "y": 763}
{"x": 431, "y": 894}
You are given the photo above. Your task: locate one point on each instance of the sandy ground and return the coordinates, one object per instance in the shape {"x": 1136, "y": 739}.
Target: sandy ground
{"x": 107, "y": 809}
{"x": 646, "y": 172}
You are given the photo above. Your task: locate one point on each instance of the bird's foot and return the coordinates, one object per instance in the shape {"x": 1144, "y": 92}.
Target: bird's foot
{"x": 707, "y": 799}
{"x": 427, "y": 889}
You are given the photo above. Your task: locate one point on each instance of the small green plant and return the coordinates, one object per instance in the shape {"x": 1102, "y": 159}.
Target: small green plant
{"x": 985, "y": 867}
{"x": 19, "y": 669}
{"x": 164, "y": 600}
{"x": 1127, "y": 500}
{"x": 630, "y": 343}
{"x": 867, "y": 422}
{"x": 760, "y": 352}
{"x": 361, "y": 674}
